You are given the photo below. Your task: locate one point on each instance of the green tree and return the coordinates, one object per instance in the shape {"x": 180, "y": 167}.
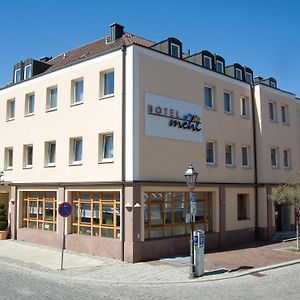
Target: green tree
{"x": 290, "y": 194}
{"x": 3, "y": 221}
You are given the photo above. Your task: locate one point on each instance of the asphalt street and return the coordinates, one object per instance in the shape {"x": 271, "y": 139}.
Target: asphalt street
{"x": 19, "y": 282}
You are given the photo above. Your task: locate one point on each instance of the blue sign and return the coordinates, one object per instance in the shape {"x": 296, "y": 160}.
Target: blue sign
{"x": 201, "y": 240}
{"x": 65, "y": 209}
{"x": 193, "y": 198}
{"x": 195, "y": 240}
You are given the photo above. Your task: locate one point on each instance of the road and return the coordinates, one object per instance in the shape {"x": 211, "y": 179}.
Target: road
{"x": 17, "y": 282}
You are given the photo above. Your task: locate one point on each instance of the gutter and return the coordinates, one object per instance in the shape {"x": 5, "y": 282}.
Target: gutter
{"x": 255, "y": 159}
{"x": 123, "y": 107}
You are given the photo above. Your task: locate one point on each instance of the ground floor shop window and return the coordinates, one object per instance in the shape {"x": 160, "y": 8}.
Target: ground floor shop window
{"x": 39, "y": 210}
{"x": 243, "y": 204}
{"x": 96, "y": 214}
{"x": 165, "y": 213}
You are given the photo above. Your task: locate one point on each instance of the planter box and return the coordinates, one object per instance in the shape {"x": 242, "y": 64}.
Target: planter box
{"x": 3, "y": 235}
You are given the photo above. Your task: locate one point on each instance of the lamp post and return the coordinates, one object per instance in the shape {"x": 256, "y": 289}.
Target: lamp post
{"x": 190, "y": 178}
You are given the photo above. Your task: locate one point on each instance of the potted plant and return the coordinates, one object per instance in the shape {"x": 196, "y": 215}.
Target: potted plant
{"x": 3, "y": 222}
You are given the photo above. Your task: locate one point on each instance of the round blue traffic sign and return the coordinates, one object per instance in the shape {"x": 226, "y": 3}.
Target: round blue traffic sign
{"x": 65, "y": 209}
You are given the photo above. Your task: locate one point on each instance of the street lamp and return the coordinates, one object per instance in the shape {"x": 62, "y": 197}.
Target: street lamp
{"x": 190, "y": 178}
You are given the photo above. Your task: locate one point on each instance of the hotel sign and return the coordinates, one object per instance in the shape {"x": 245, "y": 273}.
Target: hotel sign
{"x": 170, "y": 118}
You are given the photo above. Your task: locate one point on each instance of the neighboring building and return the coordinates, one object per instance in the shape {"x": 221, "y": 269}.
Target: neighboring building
{"x": 112, "y": 126}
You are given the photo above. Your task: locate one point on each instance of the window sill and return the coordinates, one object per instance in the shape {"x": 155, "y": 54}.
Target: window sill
{"x": 76, "y": 103}
{"x": 75, "y": 164}
{"x": 51, "y": 109}
{"x": 230, "y": 113}
{"x": 106, "y": 96}
{"x": 108, "y": 161}
{"x": 29, "y": 115}
{"x": 273, "y": 121}
{"x": 245, "y": 117}
{"x": 211, "y": 165}
{"x": 288, "y": 168}
{"x": 285, "y": 123}
{"x": 8, "y": 169}
{"x": 27, "y": 167}
{"x": 275, "y": 167}
{"x": 9, "y": 120}
{"x": 246, "y": 167}
{"x": 230, "y": 166}
{"x": 246, "y": 219}
{"x": 50, "y": 166}
{"x": 210, "y": 108}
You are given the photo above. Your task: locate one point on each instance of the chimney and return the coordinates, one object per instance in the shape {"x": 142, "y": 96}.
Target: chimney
{"x": 116, "y": 31}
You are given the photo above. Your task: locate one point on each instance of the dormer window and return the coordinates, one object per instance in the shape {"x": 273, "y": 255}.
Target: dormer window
{"x": 175, "y": 50}
{"x": 238, "y": 74}
{"x": 207, "y": 62}
{"x": 248, "y": 77}
{"x": 27, "y": 72}
{"x": 273, "y": 84}
{"x": 220, "y": 67}
{"x": 18, "y": 73}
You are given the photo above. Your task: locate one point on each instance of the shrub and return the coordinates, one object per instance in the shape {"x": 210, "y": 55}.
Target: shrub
{"x": 3, "y": 221}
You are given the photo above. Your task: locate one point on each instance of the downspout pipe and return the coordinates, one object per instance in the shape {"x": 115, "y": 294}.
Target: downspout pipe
{"x": 255, "y": 158}
{"x": 123, "y": 108}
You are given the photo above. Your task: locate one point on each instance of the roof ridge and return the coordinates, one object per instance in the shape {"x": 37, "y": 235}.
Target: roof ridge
{"x": 140, "y": 37}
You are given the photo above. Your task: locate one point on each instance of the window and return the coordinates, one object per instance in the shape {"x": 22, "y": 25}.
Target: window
{"x": 76, "y": 151}
{"x": 167, "y": 213}
{"x": 273, "y": 84}
{"x": 272, "y": 111}
{"x": 108, "y": 83}
{"x": 208, "y": 97}
{"x": 51, "y": 98}
{"x": 210, "y": 153}
{"x": 106, "y": 147}
{"x": 228, "y": 155}
{"x": 18, "y": 75}
{"x": 245, "y": 156}
{"x": 244, "y": 107}
{"x": 220, "y": 66}
{"x": 29, "y": 104}
{"x": 50, "y": 153}
{"x": 39, "y": 210}
{"x": 10, "y": 109}
{"x": 77, "y": 90}
{"x": 243, "y": 206}
{"x": 27, "y": 72}
{"x": 175, "y": 50}
{"x": 8, "y": 158}
{"x": 27, "y": 156}
{"x": 207, "y": 62}
{"x": 227, "y": 102}
{"x": 287, "y": 158}
{"x": 274, "y": 157}
{"x": 238, "y": 74}
{"x": 284, "y": 114}
{"x": 96, "y": 214}
{"x": 248, "y": 77}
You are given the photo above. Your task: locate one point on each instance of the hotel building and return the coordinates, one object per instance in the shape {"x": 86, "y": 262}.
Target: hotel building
{"x": 111, "y": 128}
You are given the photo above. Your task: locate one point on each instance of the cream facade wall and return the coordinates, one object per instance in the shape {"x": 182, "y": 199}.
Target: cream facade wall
{"x": 276, "y": 134}
{"x": 86, "y": 120}
{"x": 166, "y": 159}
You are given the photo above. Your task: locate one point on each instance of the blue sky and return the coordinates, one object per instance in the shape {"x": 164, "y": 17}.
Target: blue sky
{"x": 261, "y": 34}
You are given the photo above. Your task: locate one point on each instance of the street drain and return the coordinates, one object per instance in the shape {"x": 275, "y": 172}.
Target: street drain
{"x": 257, "y": 274}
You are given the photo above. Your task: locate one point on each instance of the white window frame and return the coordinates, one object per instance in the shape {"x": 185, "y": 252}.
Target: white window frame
{"x": 26, "y": 164}
{"x": 238, "y": 71}
{"x": 73, "y": 147}
{"x": 274, "y": 119}
{"x": 230, "y": 111}
{"x": 102, "y": 144}
{"x": 15, "y": 75}
{"x": 48, "y": 102}
{"x": 7, "y": 164}
{"x": 276, "y": 165}
{"x": 25, "y": 70}
{"x": 48, "y": 154}
{"x": 232, "y": 155}
{"x": 28, "y": 98}
{"x": 244, "y": 103}
{"x": 248, "y": 156}
{"x": 284, "y": 114}
{"x": 102, "y": 84}
{"x": 178, "y": 50}
{"x": 219, "y": 62}
{"x": 212, "y": 97}
{"x": 10, "y": 113}
{"x": 209, "y": 59}
{"x": 288, "y": 153}
{"x": 74, "y": 94}
{"x": 214, "y": 162}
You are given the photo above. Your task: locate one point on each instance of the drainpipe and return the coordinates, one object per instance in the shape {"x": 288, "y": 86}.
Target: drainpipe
{"x": 255, "y": 158}
{"x": 123, "y": 107}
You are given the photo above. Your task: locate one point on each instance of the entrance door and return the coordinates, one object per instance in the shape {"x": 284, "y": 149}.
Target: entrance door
{"x": 278, "y": 217}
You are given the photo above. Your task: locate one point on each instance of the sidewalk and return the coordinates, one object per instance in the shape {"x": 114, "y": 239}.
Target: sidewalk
{"x": 219, "y": 265}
